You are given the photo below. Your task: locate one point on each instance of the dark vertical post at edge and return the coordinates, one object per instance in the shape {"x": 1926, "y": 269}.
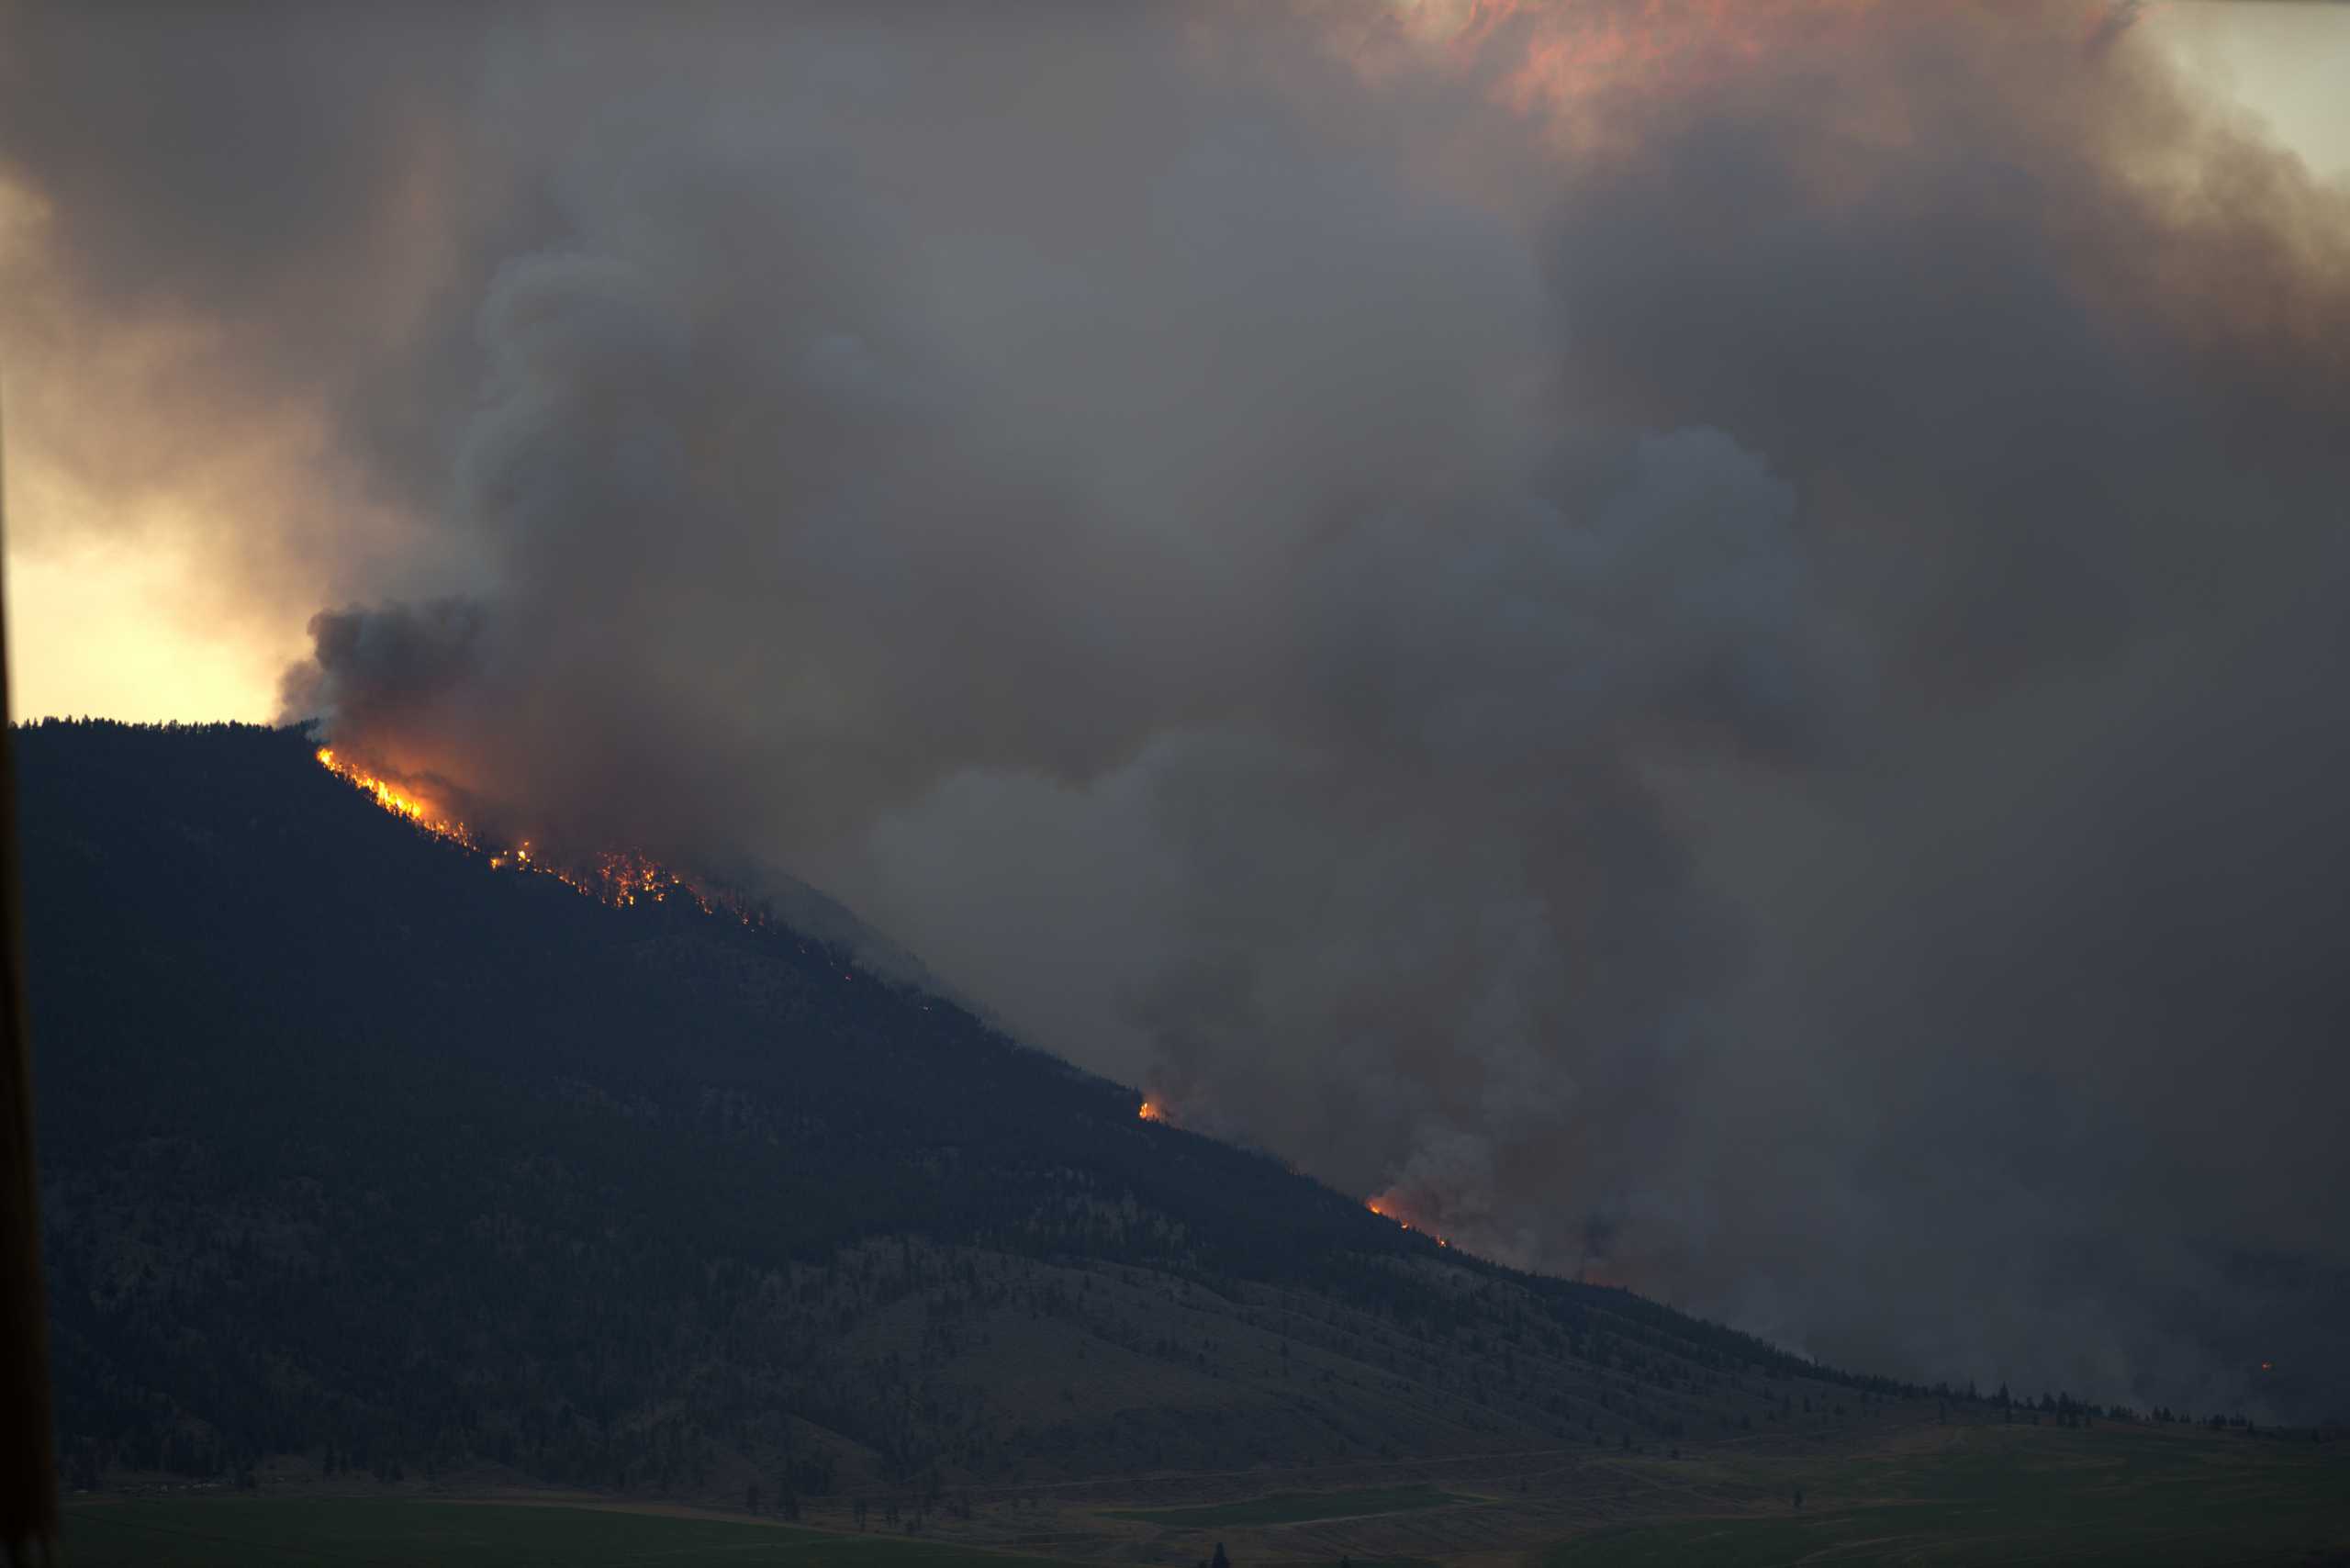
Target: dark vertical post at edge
{"x": 27, "y": 1452}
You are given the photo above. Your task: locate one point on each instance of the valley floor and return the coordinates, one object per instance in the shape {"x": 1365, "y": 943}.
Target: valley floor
{"x": 1932, "y": 1494}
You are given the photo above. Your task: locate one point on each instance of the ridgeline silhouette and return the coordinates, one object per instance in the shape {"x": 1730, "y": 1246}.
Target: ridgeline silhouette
{"x": 362, "y": 1160}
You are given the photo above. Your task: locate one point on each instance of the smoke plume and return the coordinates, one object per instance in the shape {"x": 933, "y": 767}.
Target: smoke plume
{"x": 1706, "y": 650}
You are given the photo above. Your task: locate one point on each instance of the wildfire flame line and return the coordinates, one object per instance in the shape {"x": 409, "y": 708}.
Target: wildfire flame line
{"x": 618, "y": 877}
{"x": 1151, "y": 1110}
{"x": 1379, "y": 1207}
{"x": 392, "y": 798}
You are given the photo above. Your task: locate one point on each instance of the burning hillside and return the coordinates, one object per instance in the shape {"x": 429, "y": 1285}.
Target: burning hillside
{"x": 1389, "y": 1205}
{"x": 1593, "y": 610}
{"x": 618, "y": 877}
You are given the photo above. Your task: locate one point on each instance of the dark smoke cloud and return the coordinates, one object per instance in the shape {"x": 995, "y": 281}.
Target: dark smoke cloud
{"x": 1735, "y": 689}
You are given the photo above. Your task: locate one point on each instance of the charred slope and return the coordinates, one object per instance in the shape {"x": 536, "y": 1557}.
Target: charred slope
{"x": 359, "y": 1152}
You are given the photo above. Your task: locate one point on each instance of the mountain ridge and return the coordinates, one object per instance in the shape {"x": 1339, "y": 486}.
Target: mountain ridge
{"x": 360, "y": 1158}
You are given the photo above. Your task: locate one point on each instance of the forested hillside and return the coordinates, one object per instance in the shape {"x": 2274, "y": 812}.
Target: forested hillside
{"x": 362, "y": 1157}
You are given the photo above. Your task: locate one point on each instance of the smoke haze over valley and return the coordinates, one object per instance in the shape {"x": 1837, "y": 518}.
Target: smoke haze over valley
{"x": 1707, "y": 654}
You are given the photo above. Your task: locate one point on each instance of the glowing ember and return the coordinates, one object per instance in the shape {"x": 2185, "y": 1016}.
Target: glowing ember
{"x": 1152, "y": 1111}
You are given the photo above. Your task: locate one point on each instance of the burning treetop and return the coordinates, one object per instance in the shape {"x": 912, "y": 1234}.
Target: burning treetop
{"x": 619, "y": 878}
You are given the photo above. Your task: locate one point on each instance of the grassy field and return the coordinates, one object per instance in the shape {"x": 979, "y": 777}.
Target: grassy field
{"x": 2020, "y": 1495}
{"x": 220, "y": 1532}
{"x": 1296, "y": 1508}
{"x": 1930, "y": 1495}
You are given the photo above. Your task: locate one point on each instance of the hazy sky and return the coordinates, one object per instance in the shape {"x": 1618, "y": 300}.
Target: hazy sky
{"x": 1701, "y": 643}
{"x": 140, "y": 632}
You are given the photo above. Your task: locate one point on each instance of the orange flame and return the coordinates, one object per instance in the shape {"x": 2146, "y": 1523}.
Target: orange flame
{"x": 392, "y": 798}
{"x": 1385, "y": 1207}
{"x": 617, "y": 877}
{"x": 1152, "y": 1111}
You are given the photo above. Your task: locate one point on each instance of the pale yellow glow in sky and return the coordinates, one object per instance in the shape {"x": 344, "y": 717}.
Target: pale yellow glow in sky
{"x": 2287, "y": 61}
{"x": 106, "y": 629}
{"x": 131, "y": 633}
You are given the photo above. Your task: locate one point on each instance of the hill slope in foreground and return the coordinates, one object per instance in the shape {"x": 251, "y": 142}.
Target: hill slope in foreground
{"x": 368, "y": 1168}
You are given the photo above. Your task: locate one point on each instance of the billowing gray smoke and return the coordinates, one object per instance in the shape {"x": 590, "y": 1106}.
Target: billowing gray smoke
{"x": 1722, "y": 675}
